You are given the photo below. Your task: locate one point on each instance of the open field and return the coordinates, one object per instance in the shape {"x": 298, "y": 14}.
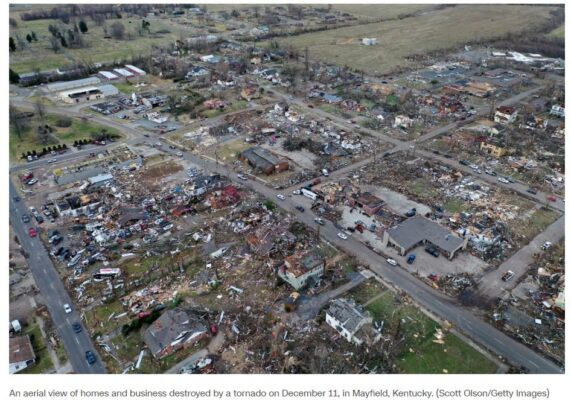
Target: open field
{"x": 442, "y": 29}
{"x": 558, "y": 32}
{"x": 30, "y": 141}
{"x": 39, "y": 55}
{"x": 384, "y": 11}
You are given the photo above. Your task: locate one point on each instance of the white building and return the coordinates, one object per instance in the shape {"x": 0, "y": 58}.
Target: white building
{"x": 505, "y": 115}
{"x": 351, "y": 321}
{"x": 299, "y": 268}
{"x": 558, "y": 111}
{"x": 402, "y": 121}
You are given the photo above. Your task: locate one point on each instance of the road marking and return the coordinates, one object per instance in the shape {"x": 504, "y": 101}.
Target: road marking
{"x": 77, "y": 339}
{"x": 531, "y": 362}
{"x": 499, "y": 341}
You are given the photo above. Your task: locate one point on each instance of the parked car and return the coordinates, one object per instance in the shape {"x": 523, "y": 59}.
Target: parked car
{"x": 319, "y": 221}
{"x": 392, "y": 262}
{"x": 32, "y": 181}
{"x": 25, "y": 218}
{"x": 39, "y": 218}
{"x": 76, "y": 327}
{"x": 281, "y": 196}
{"x": 411, "y": 259}
{"x": 503, "y": 180}
{"x": 300, "y": 208}
{"x": 179, "y": 154}
{"x": 532, "y": 191}
{"x": 213, "y": 329}
{"x": 546, "y": 245}
{"x": 16, "y": 198}
{"x": 464, "y": 162}
{"x": 507, "y": 276}
{"x": 342, "y": 236}
{"x": 32, "y": 232}
{"x": 67, "y": 308}
{"x": 90, "y": 357}
{"x": 553, "y": 199}
{"x": 297, "y": 191}
{"x": 433, "y": 251}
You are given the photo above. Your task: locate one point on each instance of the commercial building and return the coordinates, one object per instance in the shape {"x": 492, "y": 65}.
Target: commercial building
{"x": 264, "y": 161}
{"x": 419, "y": 230}
{"x": 80, "y": 95}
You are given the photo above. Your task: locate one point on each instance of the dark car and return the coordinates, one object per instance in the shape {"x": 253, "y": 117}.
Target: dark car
{"x": 57, "y": 240}
{"x": 90, "y": 357}
{"x": 25, "y": 218}
{"x": 39, "y": 218}
{"x": 76, "y": 327}
{"x": 433, "y": 251}
{"x": 300, "y": 208}
{"x": 411, "y": 259}
{"x": 532, "y": 191}
{"x": 464, "y": 162}
{"x": 16, "y": 199}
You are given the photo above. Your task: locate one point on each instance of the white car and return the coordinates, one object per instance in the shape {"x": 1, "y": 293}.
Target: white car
{"x": 342, "y": 236}
{"x": 240, "y": 176}
{"x": 67, "y": 308}
{"x": 503, "y": 180}
{"x": 319, "y": 221}
{"x": 281, "y": 196}
{"x": 32, "y": 181}
{"x": 179, "y": 154}
{"x": 546, "y": 245}
{"x": 297, "y": 191}
{"x": 52, "y": 160}
{"x": 392, "y": 262}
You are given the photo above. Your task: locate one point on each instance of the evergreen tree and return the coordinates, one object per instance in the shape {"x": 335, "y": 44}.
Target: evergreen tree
{"x": 12, "y": 44}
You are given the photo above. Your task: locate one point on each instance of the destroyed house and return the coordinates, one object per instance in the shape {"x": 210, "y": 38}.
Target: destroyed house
{"x": 73, "y": 205}
{"x": 225, "y": 197}
{"x": 300, "y": 268}
{"x": 420, "y": 230}
{"x": 369, "y": 203}
{"x": 21, "y": 353}
{"x": 351, "y": 321}
{"x": 267, "y": 239}
{"x": 505, "y": 115}
{"x": 264, "y": 161}
{"x": 174, "y": 330}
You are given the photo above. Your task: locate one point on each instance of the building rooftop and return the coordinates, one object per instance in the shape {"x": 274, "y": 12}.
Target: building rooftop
{"x": 416, "y": 229}
{"x": 21, "y": 349}
{"x": 349, "y": 313}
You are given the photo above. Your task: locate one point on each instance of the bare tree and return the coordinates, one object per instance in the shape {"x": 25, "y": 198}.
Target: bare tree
{"x": 117, "y": 30}
{"x": 16, "y": 122}
{"x": 40, "y": 111}
{"x": 55, "y": 44}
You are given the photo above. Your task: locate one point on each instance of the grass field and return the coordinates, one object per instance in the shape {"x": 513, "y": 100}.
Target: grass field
{"x": 441, "y": 29}
{"x": 384, "y": 11}
{"x": 558, "y": 32}
{"x": 420, "y": 355}
{"x": 29, "y": 141}
{"x": 39, "y": 54}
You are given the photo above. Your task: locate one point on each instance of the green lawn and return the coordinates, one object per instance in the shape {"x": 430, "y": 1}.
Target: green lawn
{"x": 417, "y": 329}
{"x": 558, "y": 32}
{"x": 30, "y": 141}
{"x": 455, "y": 206}
{"x": 43, "y": 360}
{"x": 235, "y": 106}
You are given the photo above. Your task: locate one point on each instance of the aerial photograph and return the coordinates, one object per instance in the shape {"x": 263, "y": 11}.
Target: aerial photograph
{"x": 286, "y": 188}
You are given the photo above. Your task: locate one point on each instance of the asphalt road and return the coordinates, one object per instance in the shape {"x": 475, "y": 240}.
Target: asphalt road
{"x": 50, "y": 285}
{"x": 492, "y": 284}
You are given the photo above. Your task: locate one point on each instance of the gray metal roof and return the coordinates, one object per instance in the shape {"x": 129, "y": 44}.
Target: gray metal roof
{"x": 416, "y": 229}
{"x": 350, "y": 314}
